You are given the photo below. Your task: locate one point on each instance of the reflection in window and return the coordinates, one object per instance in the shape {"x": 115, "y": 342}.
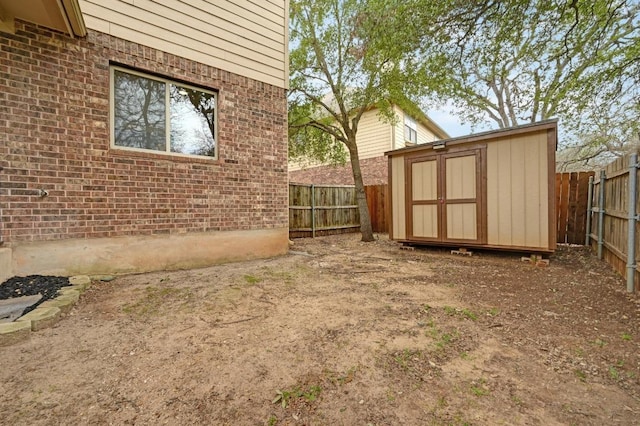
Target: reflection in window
{"x": 139, "y": 112}
{"x": 192, "y": 121}
{"x": 156, "y": 114}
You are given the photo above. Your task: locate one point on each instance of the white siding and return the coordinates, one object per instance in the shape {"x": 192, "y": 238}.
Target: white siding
{"x": 398, "y": 129}
{"x": 245, "y": 37}
{"x": 424, "y": 134}
{"x": 374, "y": 135}
{"x": 373, "y": 139}
{"x": 304, "y": 164}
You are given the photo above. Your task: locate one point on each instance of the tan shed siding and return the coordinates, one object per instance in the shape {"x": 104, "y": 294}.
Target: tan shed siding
{"x": 518, "y": 191}
{"x": 242, "y": 37}
{"x": 424, "y": 180}
{"x": 425, "y": 221}
{"x": 398, "y": 198}
{"x": 462, "y": 222}
{"x": 459, "y": 183}
{"x": 373, "y": 135}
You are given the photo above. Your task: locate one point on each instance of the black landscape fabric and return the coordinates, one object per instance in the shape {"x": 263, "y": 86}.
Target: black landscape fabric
{"x": 47, "y": 286}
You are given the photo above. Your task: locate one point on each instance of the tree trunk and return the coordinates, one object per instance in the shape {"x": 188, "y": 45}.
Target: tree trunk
{"x": 361, "y": 196}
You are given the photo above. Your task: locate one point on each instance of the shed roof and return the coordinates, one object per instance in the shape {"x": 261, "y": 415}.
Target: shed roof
{"x": 477, "y": 137}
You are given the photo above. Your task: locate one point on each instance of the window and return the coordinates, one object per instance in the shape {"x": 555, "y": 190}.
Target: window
{"x": 156, "y": 114}
{"x": 410, "y": 130}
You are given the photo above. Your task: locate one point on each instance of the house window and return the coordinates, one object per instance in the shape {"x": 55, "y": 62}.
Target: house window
{"x": 160, "y": 115}
{"x": 410, "y": 130}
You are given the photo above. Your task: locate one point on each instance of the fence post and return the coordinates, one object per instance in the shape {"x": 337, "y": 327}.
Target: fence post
{"x": 589, "y": 212}
{"x": 603, "y": 178}
{"x": 313, "y": 211}
{"x": 631, "y": 234}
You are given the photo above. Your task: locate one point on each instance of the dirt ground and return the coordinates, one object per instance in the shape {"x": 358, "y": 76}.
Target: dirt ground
{"x": 340, "y": 332}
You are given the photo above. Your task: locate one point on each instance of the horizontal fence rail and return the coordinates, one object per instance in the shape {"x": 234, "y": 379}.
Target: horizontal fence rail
{"x": 333, "y": 209}
{"x": 322, "y": 210}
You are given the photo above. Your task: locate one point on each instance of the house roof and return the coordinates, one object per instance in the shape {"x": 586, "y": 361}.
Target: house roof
{"x": 61, "y": 15}
{"x": 416, "y": 113}
{"x": 407, "y": 106}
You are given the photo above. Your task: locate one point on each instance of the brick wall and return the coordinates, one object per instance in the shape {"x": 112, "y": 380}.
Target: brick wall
{"x": 374, "y": 172}
{"x": 54, "y": 112}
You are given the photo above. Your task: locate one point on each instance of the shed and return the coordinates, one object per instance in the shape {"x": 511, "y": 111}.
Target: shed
{"x": 493, "y": 190}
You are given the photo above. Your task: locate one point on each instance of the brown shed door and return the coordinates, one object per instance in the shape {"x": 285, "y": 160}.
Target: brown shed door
{"x": 445, "y": 197}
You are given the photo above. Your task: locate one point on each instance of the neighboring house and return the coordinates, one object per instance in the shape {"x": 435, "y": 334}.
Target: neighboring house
{"x": 374, "y": 138}
{"x": 142, "y": 135}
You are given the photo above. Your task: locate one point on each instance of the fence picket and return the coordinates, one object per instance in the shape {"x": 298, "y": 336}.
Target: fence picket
{"x": 614, "y": 207}
{"x": 336, "y": 210}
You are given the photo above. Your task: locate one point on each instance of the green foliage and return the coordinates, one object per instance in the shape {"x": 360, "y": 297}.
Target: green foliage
{"x": 493, "y": 312}
{"x": 614, "y": 373}
{"x": 464, "y": 312}
{"x": 478, "y": 388}
{"x": 580, "y": 374}
{"x": 345, "y": 57}
{"x": 600, "y": 343}
{"x": 479, "y": 391}
{"x": 284, "y": 397}
{"x": 251, "y": 279}
{"x": 445, "y": 339}
{"x": 154, "y": 300}
{"x": 450, "y": 310}
{"x": 519, "y": 61}
{"x": 272, "y": 421}
{"x": 525, "y": 61}
{"x": 403, "y": 358}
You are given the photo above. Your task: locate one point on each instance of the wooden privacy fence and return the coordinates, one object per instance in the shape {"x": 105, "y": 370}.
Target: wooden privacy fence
{"x": 327, "y": 209}
{"x": 332, "y": 209}
{"x": 322, "y": 210}
{"x": 378, "y": 199}
{"x": 612, "y": 219}
{"x": 571, "y": 206}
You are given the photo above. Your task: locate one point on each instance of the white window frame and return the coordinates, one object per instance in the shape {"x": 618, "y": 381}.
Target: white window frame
{"x": 167, "y": 82}
{"x": 410, "y": 123}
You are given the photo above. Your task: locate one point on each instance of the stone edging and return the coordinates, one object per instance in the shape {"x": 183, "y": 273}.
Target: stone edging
{"x": 46, "y": 314}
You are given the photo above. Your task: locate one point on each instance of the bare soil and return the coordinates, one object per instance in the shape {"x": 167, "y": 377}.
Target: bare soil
{"x": 340, "y": 332}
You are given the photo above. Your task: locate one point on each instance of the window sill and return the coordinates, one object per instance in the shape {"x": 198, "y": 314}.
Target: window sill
{"x": 162, "y": 156}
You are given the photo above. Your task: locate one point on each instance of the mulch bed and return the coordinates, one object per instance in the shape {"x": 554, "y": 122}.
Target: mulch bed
{"x": 45, "y": 285}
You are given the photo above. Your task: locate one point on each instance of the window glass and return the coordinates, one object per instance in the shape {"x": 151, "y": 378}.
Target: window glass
{"x": 139, "y": 112}
{"x": 192, "y": 121}
{"x": 410, "y": 130}
{"x": 158, "y": 114}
